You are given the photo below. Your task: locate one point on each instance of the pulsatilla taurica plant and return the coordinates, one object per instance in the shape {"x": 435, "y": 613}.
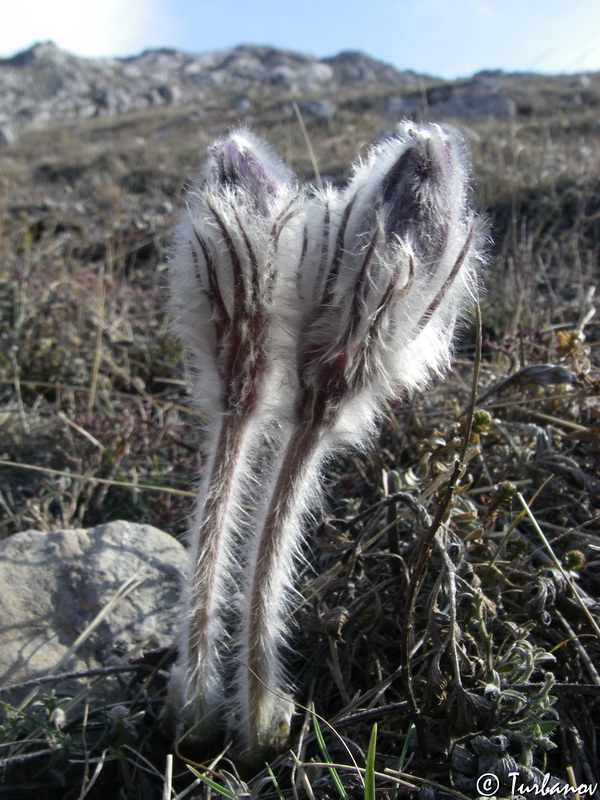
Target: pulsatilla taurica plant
{"x": 304, "y": 311}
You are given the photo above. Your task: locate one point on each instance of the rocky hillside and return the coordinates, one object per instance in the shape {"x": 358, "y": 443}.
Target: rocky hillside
{"x": 45, "y": 85}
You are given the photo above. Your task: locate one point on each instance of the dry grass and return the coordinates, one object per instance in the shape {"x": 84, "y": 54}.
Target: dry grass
{"x": 431, "y": 604}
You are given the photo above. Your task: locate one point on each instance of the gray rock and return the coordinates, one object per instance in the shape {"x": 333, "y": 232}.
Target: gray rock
{"x": 242, "y": 103}
{"x": 403, "y": 107}
{"x": 581, "y": 81}
{"x": 475, "y": 106}
{"x": 170, "y": 94}
{"x": 468, "y": 106}
{"x": 322, "y": 110}
{"x": 53, "y": 585}
{"x": 7, "y": 135}
{"x": 357, "y": 69}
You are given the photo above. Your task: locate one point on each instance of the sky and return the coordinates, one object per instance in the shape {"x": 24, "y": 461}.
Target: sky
{"x": 445, "y": 38}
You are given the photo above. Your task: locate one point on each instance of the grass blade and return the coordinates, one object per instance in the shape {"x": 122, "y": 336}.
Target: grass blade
{"x": 402, "y": 760}
{"x": 370, "y": 770}
{"x": 213, "y": 784}
{"x": 327, "y": 758}
{"x": 275, "y": 783}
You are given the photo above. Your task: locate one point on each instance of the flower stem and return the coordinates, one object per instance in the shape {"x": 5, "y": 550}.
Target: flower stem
{"x": 197, "y": 676}
{"x": 265, "y": 711}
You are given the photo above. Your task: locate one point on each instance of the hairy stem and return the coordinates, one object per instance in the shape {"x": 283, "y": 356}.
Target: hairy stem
{"x": 265, "y": 712}
{"x": 199, "y": 681}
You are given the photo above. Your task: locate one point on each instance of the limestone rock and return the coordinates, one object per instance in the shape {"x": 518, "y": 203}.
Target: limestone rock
{"x": 322, "y": 110}
{"x": 53, "y": 585}
{"x": 472, "y": 105}
{"x": 7, "y": 135}
{"x": 351, "y": 68}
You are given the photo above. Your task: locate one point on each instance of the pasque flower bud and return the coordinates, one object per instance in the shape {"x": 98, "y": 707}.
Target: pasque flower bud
{"x": 224, "y": 298}
{"x": 304, "y": 314}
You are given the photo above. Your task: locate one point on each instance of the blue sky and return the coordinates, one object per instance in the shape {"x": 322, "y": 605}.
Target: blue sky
{"x": 449, "y": 38}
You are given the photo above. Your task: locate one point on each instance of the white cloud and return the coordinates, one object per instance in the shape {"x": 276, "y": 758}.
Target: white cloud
{"x": 106, "y": 27}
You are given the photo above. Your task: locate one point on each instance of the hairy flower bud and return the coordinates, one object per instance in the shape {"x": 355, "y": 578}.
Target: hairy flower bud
{"x": 305, "y": 313}
{"x": 224, "y": 297}
{"x": 223, "y": 273}
{"x": 389, "y": 257}
{"x": 244, "y": 163}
